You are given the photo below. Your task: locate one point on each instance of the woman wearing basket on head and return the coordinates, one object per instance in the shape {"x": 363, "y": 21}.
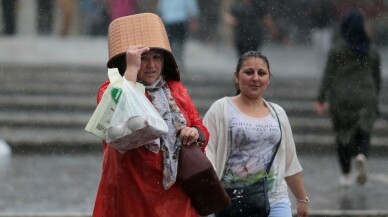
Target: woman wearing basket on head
{"x": 251, "y": 140}
{"x": 141, "y": 181}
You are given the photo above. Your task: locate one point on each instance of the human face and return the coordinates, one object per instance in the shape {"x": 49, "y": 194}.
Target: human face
{"x": 151, "y": 66}
{"x": 253, "y": 77}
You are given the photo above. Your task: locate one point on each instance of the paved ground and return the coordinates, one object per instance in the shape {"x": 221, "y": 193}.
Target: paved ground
{"x": 31, "y": 184}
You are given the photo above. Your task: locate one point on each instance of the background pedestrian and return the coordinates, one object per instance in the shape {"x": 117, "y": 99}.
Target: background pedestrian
{"x": 251, "y": 22}
{"x": 9, "y": 16}
{"x": 180, "y": 18}
{"x": 351, "y": 84}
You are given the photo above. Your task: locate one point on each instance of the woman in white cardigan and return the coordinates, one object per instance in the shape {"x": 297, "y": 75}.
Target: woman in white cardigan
{"x": 244, "y": 131}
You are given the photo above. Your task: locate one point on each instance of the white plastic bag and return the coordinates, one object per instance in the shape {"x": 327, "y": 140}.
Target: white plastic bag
{"x": 135, "y": 121}
{"x": 100, "y": 119}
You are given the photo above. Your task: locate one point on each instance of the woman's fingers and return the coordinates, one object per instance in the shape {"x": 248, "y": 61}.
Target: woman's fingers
{"x": 137, "y": 50}
{"x": 188, "y": 135}
{"x": 133, "y": 55}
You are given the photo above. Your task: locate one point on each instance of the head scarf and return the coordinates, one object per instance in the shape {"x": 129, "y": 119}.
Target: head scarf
{"x": 353, "y": 31}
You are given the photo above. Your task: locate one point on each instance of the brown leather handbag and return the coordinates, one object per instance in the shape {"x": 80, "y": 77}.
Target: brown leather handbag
{"x": 200, "y": 182}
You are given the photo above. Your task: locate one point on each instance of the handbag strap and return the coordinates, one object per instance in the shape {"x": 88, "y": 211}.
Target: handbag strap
{"x": 277, "y": 145}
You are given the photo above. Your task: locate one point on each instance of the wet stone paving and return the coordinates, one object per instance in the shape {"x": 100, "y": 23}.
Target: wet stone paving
{"x": 67, "y": 183}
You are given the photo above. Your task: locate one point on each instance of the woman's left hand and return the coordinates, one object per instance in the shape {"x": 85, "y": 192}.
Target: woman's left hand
{"x": 188, "y": 135}
{"x": 302, "y": 210}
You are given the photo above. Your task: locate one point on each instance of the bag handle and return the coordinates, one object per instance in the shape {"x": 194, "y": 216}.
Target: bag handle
{"x": 277, "y": 145}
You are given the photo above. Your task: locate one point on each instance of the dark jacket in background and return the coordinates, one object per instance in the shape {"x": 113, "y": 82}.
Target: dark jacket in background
{"x": 351, "y": 86}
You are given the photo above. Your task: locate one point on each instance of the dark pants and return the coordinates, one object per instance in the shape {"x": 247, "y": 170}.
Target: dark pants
{"x": 177, "y": 33}
{"x": 359, "y": 145}
{"x": 9, "y": 16}
{"x": 45, "y": 16}
{"x": 247, "y": 45}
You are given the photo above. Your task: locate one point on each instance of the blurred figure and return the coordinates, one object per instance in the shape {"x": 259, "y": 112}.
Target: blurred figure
{"x": 209, "y": 19}
{"x": 67, "y": 8}
{"x": 279, "y": 21}
{"x": 323, "y": 18}
{"x": 148, "y": 6}
{"x": 373, "y": 10}
{"x": 94, "y": 17}
{"x": 120, "y": 8}
{"x": 9, "y": 16}
{"x": 249, "y": 18}
{"x": 180, "y": 18}
{"x": 351, "y": 84}
{"x": 45, "y": 16}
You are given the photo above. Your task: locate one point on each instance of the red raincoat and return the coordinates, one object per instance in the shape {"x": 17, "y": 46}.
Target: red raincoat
{"x": 131, "y": 183}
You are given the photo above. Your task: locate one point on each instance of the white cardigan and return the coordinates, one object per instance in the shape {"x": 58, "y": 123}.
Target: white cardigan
{"x": 216, "y": 121}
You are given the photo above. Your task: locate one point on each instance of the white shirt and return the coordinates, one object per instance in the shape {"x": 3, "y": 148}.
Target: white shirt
{"x": 216, "y": 121}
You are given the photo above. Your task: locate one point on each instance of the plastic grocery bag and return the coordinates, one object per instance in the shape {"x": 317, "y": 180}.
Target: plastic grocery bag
{"x": 135, "y": 121}
{"x": 103, "y": 113}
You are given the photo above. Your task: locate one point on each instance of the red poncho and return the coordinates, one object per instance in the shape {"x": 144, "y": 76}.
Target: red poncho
{"x": 131, "y": 183}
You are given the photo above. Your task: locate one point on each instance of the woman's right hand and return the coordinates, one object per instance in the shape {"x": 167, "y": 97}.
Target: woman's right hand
{"x": 230, "y": 19}
{"x": 320, "y": 107}
{"x": 133, "y": 61}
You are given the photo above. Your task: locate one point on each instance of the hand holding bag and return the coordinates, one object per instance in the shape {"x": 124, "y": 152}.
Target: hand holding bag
{"x": 252, "y": 200}
{"x": 135, "y": 121}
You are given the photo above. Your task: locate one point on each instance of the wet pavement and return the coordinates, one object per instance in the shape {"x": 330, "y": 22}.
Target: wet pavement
{"x": 31, "y": 184}
{"x": 48, "y": 183}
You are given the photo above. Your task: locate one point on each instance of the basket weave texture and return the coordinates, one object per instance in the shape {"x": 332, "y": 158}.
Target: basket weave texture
{"x": 139, "y": 29}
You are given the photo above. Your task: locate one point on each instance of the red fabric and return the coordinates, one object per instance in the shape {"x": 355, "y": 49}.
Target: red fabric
{"x": 120, "y": 8}
{"x": 131, "y": 183}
